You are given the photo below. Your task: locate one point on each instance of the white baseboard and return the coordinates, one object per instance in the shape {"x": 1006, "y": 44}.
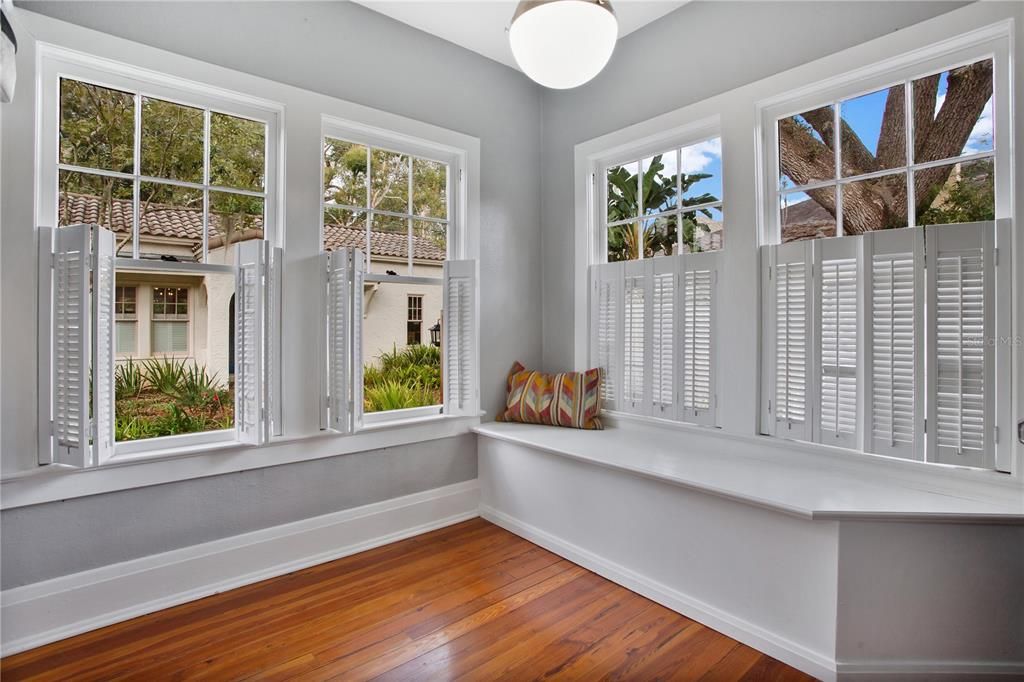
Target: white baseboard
{"x": 928, "y": 671}
{"x": 783, "y": 649}
{"x": 51, "y": 610}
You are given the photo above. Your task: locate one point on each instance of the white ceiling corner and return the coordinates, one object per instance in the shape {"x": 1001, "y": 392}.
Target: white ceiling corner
{"x": 480, "y": 25}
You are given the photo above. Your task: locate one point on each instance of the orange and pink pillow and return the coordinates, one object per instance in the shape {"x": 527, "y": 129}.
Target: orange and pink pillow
{"x": 571, "y": 399}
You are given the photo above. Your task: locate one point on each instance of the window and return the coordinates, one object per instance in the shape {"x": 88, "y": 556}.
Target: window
{"x": 885, "y": 290}
{"x": 666, "y": 203}
{"x": 126, "y": 316}
{"x": 920, "y": 152}
{"x": 170, "y": 321}
{"x": 390, "y": 232}
{"x": 175, "y": 182}
{"x": 415, "y": 323}
{"x": 653, "y": 304}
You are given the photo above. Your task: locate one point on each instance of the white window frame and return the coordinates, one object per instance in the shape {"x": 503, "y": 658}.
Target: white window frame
{"x": 993, "y": 42}
{"x": 190, "y": 294}
{"x": 125, "y": 317}
{"x": 960, "y": 51}
{"x": 594, "y": 167}
{"x": 54, "y": 63}
{"x": 458, "y": 239}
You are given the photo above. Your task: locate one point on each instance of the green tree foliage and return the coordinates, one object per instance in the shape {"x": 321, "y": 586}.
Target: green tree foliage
{"x": 659, "y": 194}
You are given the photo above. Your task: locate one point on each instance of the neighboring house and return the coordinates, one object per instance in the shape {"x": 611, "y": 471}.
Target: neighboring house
{"x": 191, "y": 316}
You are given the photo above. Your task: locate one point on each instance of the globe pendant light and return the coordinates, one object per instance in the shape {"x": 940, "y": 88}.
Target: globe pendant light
{"x": 563, "y": 43}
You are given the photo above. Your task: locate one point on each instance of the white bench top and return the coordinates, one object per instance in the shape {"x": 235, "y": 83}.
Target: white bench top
{"x": 763, "y": 475}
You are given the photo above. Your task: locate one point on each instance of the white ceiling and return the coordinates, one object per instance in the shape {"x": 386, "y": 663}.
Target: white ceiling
{"x": 479, "y": 25}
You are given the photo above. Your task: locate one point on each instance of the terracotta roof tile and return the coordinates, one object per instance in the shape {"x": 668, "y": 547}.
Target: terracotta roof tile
{"x": 161, "y": 220}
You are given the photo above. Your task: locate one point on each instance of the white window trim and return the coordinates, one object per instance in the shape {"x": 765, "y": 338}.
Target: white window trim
{"x": 53, "y": 63}
{"x": 990, "y": 42}
{"x": 740, "y": 113}
{"x": 460, "y": 242}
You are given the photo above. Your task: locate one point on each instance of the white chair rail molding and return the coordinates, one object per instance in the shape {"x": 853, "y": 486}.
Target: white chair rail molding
{"x": 553, "y": 339}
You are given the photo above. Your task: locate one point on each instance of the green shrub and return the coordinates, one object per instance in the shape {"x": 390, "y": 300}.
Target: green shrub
{"x": 127, "y": 380}
{"x": 394, "y": 395}
{"x": 163, "y": 375}
{"x": 195, "y": 386}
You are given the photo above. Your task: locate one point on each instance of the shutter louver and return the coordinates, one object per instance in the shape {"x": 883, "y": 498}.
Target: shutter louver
{"x": 358, "y": 275}
{"x": 960, "y": 359}
{"x": 636, "y": 338}
{"x": 792, "y": 307}
{"x": 103, "y": 346}
{"x": 70, "y": 355}
{"x": 838, "y": 319}
{"x": 665, "y": 336}
{"x": 461, "y": 393}
{"x": 249, "y": 317}
{"x": 894, "y": 262}
{"x": 275, "y": 262}
{"x": 697, "y": 300}
{"x": 338, "y": 269}
{"x": 606, "y": 326}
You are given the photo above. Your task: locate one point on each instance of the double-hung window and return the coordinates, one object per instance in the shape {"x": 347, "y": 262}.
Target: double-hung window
{"x": 886, "y": 269}
{"x": 653, "y": 300}
{"x": 392, "y": 239}
{"x": 156, "y": 272}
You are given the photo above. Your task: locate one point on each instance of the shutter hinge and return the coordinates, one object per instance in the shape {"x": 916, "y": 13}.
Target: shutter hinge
{"x": 770, "y": 272}
{"x": 925, "y": 428}
{"x": 769, "y": 405}
{"x": 995, "y": 433}
{"x": 995, "y": 257}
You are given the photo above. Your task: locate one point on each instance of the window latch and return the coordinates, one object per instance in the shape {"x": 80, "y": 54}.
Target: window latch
{"x": 1020, "y": 431}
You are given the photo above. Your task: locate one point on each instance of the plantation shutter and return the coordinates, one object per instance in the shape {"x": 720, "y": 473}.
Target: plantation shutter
{"x": 338, "y": 269}
{"x": 103, "y": 346}
{"x": 665, "y": 336}
{"x": 698, "y": 281}
{"x": 788, "y": 339}
{"x": 274, "y": 262}
{"x": 606, "y": 328}
{"x": 69, "y": 303}
{"x": 249, "y": 320}
{"x": 358, "y": 276}
{"x": 894, "y": 338}
{"x": 838, "y": 318}
{"x": 636, "y": 363}
{"x": 960, "y": 359}
{"x": 459, "y": 320}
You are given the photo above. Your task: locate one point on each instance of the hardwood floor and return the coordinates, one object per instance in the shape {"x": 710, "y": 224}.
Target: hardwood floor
{"x": 470, "y": 601}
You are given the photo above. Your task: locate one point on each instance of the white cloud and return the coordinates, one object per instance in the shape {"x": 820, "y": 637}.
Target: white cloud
{"x": 699, "y": 156}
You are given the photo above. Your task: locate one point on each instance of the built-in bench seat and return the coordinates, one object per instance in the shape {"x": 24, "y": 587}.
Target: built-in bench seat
{"x": 841, "y": 568}
{"x": 789, "y": 482}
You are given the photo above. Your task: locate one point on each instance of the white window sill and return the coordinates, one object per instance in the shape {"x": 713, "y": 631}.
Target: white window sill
{"x": 154, "y": 467}
{"x": 770, "y": 474}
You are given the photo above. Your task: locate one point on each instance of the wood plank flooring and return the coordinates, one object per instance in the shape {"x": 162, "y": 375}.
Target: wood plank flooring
{"x": 471, "y": 601}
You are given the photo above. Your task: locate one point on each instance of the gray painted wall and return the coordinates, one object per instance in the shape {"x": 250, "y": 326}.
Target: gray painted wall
{"x": 720, "y": 46}
{"x": 49, "y": 540}
{"x": 322, "y": 47}
{"x": 526, "y": 220}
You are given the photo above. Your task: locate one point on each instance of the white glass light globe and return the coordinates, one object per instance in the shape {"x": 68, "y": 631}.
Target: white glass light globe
{"x": 563, "y": 43}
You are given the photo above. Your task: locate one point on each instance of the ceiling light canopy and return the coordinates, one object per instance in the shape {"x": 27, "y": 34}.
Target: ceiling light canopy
{"x": 563, "y": 43}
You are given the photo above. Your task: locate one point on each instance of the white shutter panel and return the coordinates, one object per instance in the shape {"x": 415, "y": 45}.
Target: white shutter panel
{"x": 636, "y": 363}
{"x": 249, "y": 318}
{"x": 606, "y": 329}
{"x": 274, "y": 263}
{"x": 339, "y": 356}
{"x": 697, "y": 298}
{"x": 103, "y": 346}
{"x": 665, "y": 336}
{"x": 70, "y": 355}
{"x": 358, "y": 276}
{"x": 894, "y": 340}
{"x": 961, "y": 368}
{"x": 790, "y": 346}
{"x": 1006, "y": 425}
{"x": 459, "y": 320}
{"x": 838, "y": 315}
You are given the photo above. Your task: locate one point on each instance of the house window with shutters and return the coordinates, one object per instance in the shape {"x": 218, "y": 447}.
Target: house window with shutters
{"x": 653, "y": 295}
{"x": 886, "y": 269}
{"x": 161, "y": 199}
{"x": 392, "y": 238}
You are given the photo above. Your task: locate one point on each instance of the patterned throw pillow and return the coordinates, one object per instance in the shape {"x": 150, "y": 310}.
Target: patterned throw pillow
{"x": 570, "y": 399}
